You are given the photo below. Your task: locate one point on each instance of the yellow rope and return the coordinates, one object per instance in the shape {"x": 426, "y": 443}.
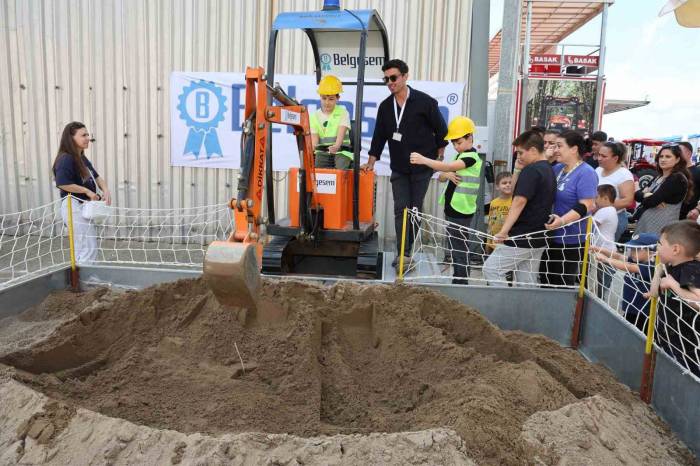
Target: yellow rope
{"x": 584, "y": 272}
{"x": 403, "y": 243}
{"x": 71, "y": 236}
{"x": 652, "y": 312}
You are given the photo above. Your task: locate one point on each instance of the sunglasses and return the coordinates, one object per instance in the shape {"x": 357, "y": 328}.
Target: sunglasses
{"x": 668, "y": 146}
{"x": 391, "y": 78}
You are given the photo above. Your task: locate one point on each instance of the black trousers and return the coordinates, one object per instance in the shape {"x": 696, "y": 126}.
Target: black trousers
{"x": 408, "y": 191}
{"x": 560, "y": 264}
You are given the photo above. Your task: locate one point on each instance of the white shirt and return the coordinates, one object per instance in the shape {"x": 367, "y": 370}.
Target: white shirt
{"x": 615, "y": 179}
{"x": 606, "y": 223}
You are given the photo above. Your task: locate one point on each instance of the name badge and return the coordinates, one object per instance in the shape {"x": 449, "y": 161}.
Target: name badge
{"x": 396, "y": 137}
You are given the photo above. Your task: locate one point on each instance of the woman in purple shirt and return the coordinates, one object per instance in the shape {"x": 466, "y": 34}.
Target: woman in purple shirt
{"x": 577, "y": 185}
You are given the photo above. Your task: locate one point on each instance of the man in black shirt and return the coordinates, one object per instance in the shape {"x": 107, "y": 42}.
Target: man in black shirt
{"x": 533, "y": 197}
{"x": 411, "y": 122}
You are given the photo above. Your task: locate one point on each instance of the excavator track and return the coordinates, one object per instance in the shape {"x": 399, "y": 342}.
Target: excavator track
{"x": 278, "y": 258}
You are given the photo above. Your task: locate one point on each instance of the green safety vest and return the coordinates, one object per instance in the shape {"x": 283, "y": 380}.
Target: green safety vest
{"x": 328, "y": 134}
{"x": 464, "y": 197}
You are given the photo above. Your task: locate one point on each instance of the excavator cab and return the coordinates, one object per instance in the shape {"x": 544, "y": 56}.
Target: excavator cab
{"x": 329, "y": 228}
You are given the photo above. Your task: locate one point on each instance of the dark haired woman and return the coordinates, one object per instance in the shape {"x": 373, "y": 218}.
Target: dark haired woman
{"x": 577, "y": 187}
{"x": 661, "y": 201}
{"x": 611, "y": 170}
{"x": 75, "y": 175}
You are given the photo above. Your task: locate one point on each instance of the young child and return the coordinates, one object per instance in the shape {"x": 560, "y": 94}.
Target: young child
{"x": 638, "y": 266}
{"x": 330, "y": 127}
{"x": 499, "y": 207}
{"x": 460, "y": 195}
{"x": 678, "y": 323}
{"x": 605, "y": 219}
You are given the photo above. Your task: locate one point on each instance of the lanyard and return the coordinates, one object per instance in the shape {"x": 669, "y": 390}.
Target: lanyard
{"x": 564, "y": 178}
{"x": 398, "y": 116}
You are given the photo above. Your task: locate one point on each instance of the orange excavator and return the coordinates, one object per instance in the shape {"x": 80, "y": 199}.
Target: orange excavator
{"x": 329, "y": 229}
{"x": 317, "y": 238}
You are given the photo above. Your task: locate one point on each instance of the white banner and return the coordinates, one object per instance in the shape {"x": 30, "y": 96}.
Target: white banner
{"x": 206, "y": 113}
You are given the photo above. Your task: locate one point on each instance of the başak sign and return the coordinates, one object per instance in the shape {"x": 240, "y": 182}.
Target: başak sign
{"x": 552, "y": 64}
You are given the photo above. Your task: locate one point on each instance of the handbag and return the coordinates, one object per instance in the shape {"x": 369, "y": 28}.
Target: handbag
{"x": 95, "y": 211}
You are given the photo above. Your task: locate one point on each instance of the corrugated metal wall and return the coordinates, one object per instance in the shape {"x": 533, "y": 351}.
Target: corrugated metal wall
{"x": 107, "y": 63}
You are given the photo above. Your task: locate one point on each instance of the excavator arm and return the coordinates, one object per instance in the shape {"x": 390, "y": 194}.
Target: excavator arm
{"x": 231, "y": 267}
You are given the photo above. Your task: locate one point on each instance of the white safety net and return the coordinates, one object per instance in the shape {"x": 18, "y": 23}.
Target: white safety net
{"x": 161, "y": 236}
{"x": 36, "y": 241}
{"x": 621, "y": 276}
{"x": 447, "y": 252}
{"x": 32, "y": 242}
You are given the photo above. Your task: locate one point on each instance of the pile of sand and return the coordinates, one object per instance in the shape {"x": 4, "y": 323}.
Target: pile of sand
{"x": 349, "y": 359}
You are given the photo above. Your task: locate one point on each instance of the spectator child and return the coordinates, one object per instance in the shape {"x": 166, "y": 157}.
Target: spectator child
{"x": 521, "y": 233}
{"x": 638, "y": 266}
{"x": 500, "y": 205}
{"x": 605, "y": 217}
{"x": 678, "y": 324}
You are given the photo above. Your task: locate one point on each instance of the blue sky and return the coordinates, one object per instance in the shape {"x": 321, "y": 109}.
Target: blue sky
{"x": 648, "y": 58}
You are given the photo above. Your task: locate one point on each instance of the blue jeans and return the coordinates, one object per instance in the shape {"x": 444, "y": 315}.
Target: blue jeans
{"x": 622, "y": 222}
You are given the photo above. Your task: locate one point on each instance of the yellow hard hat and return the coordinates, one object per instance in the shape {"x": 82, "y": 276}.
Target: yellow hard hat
{"x": 459, "y": 127}
{"x": 330, "y": 85}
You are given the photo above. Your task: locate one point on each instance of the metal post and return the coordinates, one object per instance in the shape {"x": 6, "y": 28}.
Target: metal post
{"x": 525, "y": 69}
{"x": 74, "y": 277}
{"x": 599, "y": 105}
{"x": 479, "y": 63}
{"x": 507, "y": 81}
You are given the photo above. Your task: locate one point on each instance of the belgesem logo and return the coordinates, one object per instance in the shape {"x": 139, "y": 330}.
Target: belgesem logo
{"x": 345, "y": 59}
{"x": 325, "y": 62}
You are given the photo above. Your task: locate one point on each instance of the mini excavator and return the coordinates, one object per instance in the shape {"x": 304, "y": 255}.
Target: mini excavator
{"x": 330, "y": 228}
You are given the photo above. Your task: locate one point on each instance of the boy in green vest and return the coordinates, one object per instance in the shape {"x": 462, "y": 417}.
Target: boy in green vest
{"x": 330, "y": 127}
{"x": 460, "y": 195}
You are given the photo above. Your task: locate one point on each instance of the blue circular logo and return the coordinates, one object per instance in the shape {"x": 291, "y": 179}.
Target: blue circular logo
{"x": 202, "y": 106}
{"x": 325, "y": 58}
{"x": 452, "y": 98}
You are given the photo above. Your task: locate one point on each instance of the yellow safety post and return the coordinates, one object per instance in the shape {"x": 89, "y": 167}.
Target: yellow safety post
{"x": 649, "y": 354}
{"x": 403, "y": 243}
{"x": 578, "y": 314}
{"x": 74, "y": 279}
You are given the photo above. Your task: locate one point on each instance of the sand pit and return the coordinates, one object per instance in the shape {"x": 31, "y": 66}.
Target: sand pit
{"x": 170, "y": 365}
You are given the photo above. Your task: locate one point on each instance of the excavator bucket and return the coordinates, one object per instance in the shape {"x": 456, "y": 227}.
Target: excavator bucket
{"x": 232, "y": 273}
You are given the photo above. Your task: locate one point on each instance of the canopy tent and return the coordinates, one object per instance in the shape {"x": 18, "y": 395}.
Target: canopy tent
{"x": 687, "y": 12}
{"x": 551, "y": 23}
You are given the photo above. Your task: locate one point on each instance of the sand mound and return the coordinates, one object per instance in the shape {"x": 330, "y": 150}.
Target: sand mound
{"x": 349, "y": 359}
{"x": 57, "y": 434}
{"x": 597, "y": 431}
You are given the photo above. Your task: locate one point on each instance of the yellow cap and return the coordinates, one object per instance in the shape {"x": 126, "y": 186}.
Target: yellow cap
{"x": 330, "y": 85}
{"x": 459, "y": 127}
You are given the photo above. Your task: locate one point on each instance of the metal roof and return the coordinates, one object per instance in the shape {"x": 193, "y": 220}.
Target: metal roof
{"x": 551, "y": 22}
{"x": 612, "y": 106}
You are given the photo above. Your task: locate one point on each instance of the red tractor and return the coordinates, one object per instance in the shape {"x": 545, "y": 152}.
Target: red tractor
{"x": 563, "y": 113}
{"x": 641, "y": 159}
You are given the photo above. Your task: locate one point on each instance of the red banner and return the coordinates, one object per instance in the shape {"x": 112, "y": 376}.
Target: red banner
{"x": 545, "y": 59}
{"x": 581, "y": 60}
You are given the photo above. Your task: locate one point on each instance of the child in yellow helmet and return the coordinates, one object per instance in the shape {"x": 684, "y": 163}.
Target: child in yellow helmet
{"x": 330, "y": 127}
{"x": 460, "y": 196}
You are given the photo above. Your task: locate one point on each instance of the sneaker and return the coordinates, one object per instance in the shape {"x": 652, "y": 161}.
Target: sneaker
{"x": 460, "y": 281}
{"x": 406, "y": 260}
